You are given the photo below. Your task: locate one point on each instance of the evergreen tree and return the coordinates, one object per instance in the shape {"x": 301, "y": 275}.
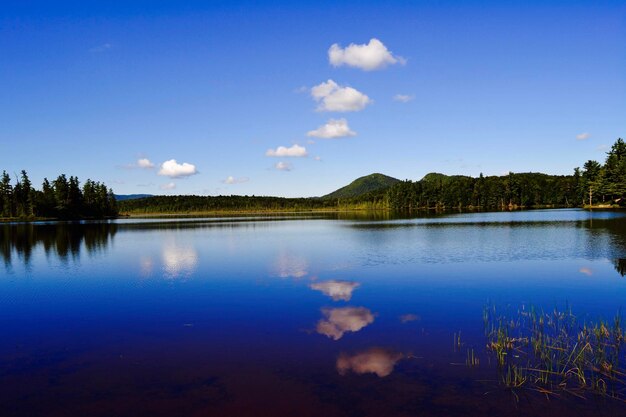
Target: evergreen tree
{"x": 615, "y": 171}
{"x": 6, "y": 195}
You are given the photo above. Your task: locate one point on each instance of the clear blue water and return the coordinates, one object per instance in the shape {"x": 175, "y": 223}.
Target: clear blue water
{"x": 322, "y": 315}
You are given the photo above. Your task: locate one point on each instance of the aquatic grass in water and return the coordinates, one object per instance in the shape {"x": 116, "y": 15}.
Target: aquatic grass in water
{"x": 553, "y": 353}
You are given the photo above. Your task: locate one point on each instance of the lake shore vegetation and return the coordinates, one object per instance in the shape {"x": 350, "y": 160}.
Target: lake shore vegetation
{"x": 62, "y": 198}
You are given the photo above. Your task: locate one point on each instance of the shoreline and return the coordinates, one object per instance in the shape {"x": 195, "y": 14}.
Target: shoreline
{"x": 213, "y": 213}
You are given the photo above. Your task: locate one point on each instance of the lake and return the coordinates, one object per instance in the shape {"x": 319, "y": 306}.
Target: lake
{"x": 307, "y": 315}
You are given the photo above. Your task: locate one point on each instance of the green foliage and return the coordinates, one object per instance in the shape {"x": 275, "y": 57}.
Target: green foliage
{"x": 595, "y": 184}
{"x": 440, "y": 191}
{"x": 363, "y": 185}
{"x": 195, "y": 203}
{"x": 62, "y": 199}
{"x": 605, "y": 184}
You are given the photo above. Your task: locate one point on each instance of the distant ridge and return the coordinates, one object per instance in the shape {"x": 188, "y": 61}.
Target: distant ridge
{"x": 122, "y": 197}
{"x": 364, "y": 185}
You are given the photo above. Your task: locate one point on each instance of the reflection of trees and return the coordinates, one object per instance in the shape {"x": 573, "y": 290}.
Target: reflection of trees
{"x": 620, "y": 266}
{"x": 62, "y": 239}
{"x": 613, "y": 233}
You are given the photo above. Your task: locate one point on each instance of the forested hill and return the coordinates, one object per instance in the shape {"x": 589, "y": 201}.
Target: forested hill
{"x": 122, "y": 197}
{"x": 363, "y": 185}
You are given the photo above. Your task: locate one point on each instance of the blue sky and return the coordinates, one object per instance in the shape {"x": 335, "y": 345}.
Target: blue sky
{"x": 91, "y": 88}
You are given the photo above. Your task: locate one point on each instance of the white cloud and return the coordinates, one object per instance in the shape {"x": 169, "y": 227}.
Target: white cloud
{"x": 374, "y": 361}
{"x": 173, "y": 169}
{"x": 232, "y": 180}
{"x": 403, "y": 98}
{"x": 281, "y": 151}
{"x": 145, "y": 163}
{"x": 283, "y": 166}
{"x": 368, "y": 57}
{"x": 337, "y": 290}
{"x": 341, "y": 320}
{"x": 583, "y": 136}
{"x": 168, "y": 186}
{"x": 334, "y": 128}
{"x": 333, "y": 97}
{"x": 318, "y": 158}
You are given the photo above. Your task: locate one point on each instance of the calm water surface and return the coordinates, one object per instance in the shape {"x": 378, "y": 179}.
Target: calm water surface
{"x": 283, "y": 316}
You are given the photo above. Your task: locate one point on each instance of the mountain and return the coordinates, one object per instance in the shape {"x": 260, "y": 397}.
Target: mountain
{"x": 363, "y": 185}
{"x": 122, "y": 197}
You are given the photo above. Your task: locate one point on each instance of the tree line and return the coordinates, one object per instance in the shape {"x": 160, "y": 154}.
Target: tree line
{"x": 600, "y": 184}
{"x": 594, "y": 184}
{"x": 62, "y": 198}
{"x": 195, "y": 203}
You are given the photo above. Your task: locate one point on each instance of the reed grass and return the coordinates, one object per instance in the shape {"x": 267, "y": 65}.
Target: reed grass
{"x": 552, "y": 353}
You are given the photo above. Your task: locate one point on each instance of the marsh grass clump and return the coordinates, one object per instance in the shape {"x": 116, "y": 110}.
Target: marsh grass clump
{"x": 472, "y": 360}
{"x": 553, "y": 353}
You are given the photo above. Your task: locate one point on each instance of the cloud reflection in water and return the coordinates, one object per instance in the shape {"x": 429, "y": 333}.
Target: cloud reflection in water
{"x": 288, "y": 266}
{"x": 341, "y": 320}
{"x": 406, "y": 318}
{"x": 337, "y": 290}
{"x": 375, "y": 361}
{"x": 178, "y": 260}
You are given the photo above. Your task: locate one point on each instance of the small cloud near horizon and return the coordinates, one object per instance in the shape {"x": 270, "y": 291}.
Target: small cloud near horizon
{"x": 232, "y": 180}
{"x": 367, "y": 57}
{"x": 168, "y": 186}
{"x": 583, "y": 136}
{"x": 141, "y": 163}
{"x": 173, "y": 169}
